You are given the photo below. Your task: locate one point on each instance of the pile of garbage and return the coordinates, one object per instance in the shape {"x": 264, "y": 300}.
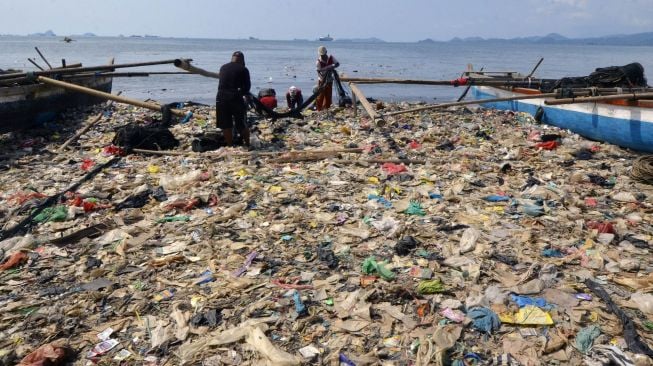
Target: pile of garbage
{"x": 454, "y": 237}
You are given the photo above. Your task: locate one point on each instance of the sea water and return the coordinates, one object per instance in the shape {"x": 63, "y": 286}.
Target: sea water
{"x": 280, "y": 64}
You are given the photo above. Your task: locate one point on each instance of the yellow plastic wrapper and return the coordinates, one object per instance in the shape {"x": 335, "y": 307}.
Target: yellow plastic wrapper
{"x": 275, "y": 189}
{"x": 373, "y": 180}
{"x": 153, "y": 169}
{"x": 528, "y": 315}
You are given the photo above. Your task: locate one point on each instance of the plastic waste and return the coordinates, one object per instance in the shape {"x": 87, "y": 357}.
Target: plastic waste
{"x": 468, "y": 240}
{"x": 527, "y": 315}
{"x": 585, "y": 338}
{"x": 370, "y": 266}
{"x": 171, "y": 182}
{"x": 484, "y": 319}
{"x": 430, "y": 287}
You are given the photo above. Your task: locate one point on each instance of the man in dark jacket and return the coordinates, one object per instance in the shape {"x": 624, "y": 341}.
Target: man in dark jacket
{"x": 231, "y": 109}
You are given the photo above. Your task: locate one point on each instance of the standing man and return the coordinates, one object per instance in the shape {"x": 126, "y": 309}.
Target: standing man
{"x": 325, "y": 67}
{"x": 231, "y": 109}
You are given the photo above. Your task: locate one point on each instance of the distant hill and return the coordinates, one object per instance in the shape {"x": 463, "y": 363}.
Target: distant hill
{"x": 48, "y": 33}
{"x": 638, "y": 39}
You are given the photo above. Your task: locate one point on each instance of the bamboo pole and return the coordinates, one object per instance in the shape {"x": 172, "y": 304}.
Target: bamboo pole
{"x": 96, "y": 93}
{"x": 365, "y": 103}
{"x": 84, "y": 129}
{"x": 74, "y": 70}
{"x": 381, "y": 161}
{"x": 184, "y": 64}
{"x": 472, "y": 81}
{"x": 602, "y": 98}
{"x": 470, "y": 102}
{"x": 248, "y": 154}
{"x": 80, "y": 132}
{"x": 126, "y": 74}
{"x": 535, "y": 68}
{"x": 35, "y": 64}
{"x": 43, "y": 57}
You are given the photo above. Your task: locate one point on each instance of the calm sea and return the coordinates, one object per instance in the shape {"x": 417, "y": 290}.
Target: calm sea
{"x": 280, "y": 64}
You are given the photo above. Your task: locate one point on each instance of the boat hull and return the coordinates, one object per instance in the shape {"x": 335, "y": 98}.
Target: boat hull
{"x": 25, "y": 106}
{"x": 625, "y": 126}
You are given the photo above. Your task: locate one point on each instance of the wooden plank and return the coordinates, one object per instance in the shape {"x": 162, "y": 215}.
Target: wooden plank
{"x": 364, "y": 102}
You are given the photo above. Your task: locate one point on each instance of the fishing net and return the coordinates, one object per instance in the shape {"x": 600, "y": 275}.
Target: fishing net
{"x": 627, "y": 76}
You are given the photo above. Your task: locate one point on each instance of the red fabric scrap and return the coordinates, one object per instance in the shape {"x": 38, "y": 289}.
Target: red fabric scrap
{"x": 391, "y": 168}
{"x": 15, "y": 260}
{"x": 290, "y": 284}
{"x": 414, "y": 145}
{"x": 460, "y": 81}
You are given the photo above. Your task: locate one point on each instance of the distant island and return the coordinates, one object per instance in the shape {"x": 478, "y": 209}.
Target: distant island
{"x": 638, "y": 39}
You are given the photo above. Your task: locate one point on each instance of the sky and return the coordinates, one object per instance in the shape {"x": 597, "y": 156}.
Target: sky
{"x": 390, "y": 20}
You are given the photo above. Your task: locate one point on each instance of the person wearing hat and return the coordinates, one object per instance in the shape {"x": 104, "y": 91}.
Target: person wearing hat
{"x": 294, "y": 97}
{"x": 326, "y": 65}
{"x": 231, "y": 109}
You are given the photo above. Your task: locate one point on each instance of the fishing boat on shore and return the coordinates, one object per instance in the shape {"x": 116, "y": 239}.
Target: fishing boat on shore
{"x": 31, "y": 98}
{"x": 25, "y": 105}
{"x": 624, "y": 118}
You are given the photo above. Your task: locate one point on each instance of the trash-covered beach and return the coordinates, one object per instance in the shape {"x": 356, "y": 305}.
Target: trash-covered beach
{"x": 444, "y": 237}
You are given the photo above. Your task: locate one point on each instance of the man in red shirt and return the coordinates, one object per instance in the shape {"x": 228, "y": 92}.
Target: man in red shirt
{"x": 326, "y": 65}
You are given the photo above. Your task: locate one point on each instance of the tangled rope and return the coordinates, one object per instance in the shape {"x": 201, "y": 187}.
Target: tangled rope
{"x": 643, "y": 169}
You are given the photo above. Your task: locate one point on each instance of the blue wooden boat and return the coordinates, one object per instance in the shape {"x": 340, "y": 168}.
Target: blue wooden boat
{"x": 28, "y": 105}
{"x": 624, "y": 123}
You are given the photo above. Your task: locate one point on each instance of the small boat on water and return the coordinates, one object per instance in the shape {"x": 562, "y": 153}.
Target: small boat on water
{"x": 624, "y": 122}
{"x": 25, "y": 105}
{"x": 328, "y": 38}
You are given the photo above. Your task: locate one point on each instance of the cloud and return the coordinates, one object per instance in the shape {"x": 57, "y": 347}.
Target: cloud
{"x": 571, "y": 3}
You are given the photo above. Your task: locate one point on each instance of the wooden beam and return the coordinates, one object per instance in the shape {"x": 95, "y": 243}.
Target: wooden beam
{"x": 364, "y": 102}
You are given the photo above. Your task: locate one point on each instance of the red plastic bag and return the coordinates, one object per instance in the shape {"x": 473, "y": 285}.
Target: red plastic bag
{"x": 391, "y": 168}
{"x": 87, "y": 164}
{"x": 414, "y": 145}
{"x": 47, "y": 354}
{"x": 601, "y": 227}
{"x": 549, "y": 145}
{"x": 113, "y": 150}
